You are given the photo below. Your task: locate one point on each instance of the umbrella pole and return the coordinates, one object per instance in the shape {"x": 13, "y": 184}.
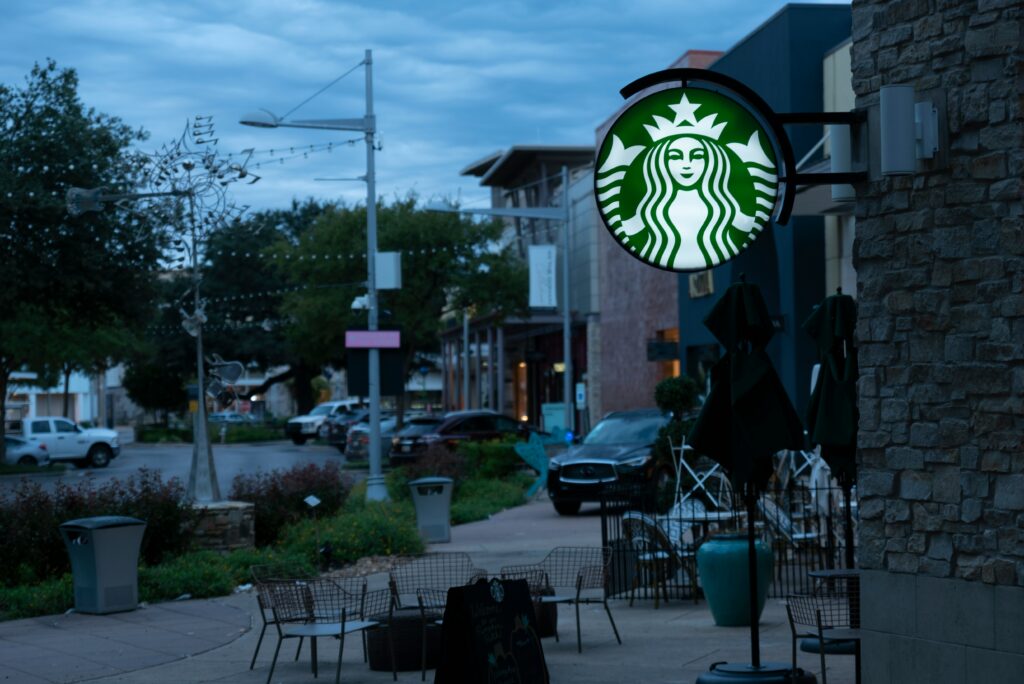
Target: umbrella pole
{"x": 755, "y": 636}
{"x": 849, "y": 524}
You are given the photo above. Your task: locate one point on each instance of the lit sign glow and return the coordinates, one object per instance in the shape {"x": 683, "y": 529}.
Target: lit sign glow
{"x": 686, "y": 179}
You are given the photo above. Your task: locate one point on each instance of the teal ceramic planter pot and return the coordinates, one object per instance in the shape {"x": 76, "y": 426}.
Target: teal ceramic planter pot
{"x": 722, "y": 564}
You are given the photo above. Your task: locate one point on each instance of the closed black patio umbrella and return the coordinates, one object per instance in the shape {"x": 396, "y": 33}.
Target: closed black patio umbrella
{"x": 832, "y": 415}
{"x": 747, "y": 418}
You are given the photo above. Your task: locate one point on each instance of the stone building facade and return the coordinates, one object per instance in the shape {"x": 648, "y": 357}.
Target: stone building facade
{"x": 940, "y": 267}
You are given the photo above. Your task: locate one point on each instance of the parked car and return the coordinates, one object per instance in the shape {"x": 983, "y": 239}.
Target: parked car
{"x": 454, "y": 427}
{"x": 336, "y": 426}
{"x": 300, "y": 429}
{"x": 618, "y": 449}
{"x": 357, "y": 443}
{"x": 66, "y": 441}
{"x": 23, "y": 452}
{"x": 232, "y": 417}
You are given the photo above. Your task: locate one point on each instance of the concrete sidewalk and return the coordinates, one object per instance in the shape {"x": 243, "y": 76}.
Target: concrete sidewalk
{"x": 212, "y": 641}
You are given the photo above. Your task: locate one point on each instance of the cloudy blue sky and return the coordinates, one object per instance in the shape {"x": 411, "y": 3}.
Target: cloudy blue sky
{"x": 453, "y": 80}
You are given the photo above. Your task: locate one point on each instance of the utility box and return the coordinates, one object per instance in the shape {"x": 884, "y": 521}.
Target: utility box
{"x": 553, "y": 416}
{"x": 104, "y": 555}
{"x": 432, "y": 497}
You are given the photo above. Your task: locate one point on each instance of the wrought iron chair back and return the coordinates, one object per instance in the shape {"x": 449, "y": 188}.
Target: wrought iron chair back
{"x": 811, "y": 614}
{"x": 440, "y": 571}
{"x": 260, "y": 575}
{"x": 573, "y": 569}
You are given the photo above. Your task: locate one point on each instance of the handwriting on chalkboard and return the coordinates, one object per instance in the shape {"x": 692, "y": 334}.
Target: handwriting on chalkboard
{"x": 488, "y": 635}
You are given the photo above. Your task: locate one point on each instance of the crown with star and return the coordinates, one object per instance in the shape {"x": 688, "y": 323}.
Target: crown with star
{"x": 684, "y": 123}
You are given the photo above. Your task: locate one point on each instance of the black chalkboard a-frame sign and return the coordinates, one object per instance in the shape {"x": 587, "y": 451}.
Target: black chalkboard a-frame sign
{"x": 488, "y": 636}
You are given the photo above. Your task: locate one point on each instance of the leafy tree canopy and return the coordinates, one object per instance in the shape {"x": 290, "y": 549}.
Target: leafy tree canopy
{"x": 88, "y": 273}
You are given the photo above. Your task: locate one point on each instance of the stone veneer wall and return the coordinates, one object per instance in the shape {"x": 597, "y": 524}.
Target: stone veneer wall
{"x": 226, "y": 526}
{"x": 940, "y": 267}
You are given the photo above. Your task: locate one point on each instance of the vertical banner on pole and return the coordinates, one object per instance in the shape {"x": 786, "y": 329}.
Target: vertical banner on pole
{"x": 543, "y": 271}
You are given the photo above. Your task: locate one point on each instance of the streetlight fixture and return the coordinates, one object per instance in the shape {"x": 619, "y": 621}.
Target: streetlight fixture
{"x": 376, "y": 490}
{"x": 563, "y": 214}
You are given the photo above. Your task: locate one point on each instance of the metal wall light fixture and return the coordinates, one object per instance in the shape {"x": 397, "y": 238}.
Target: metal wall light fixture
{"x": 908, "y": 130}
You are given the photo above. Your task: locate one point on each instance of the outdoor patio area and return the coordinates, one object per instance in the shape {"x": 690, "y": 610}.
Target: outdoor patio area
{"x": 673, "y": 643}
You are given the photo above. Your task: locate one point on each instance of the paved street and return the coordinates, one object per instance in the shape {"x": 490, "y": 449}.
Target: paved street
{"x": 172, "y": 460}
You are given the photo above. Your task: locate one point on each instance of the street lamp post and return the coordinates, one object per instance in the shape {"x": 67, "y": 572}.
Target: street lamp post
{"x": 563, "y": 214}
{"x": 376, "y": 490}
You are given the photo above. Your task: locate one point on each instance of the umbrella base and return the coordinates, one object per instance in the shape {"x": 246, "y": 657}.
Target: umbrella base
{"x": 768, "y": 673}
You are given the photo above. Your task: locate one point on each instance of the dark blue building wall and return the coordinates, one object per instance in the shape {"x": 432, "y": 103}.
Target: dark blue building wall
{"x": 782, "y": 62}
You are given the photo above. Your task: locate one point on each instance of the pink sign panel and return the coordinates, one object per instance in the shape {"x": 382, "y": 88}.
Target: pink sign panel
{"x": 372, "y": 339}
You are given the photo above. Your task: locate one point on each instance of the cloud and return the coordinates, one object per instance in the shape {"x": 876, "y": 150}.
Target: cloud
{"x": 453, "y": 81}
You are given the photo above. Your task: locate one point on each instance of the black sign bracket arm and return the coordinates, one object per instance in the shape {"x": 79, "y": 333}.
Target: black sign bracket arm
{"x": 853, "y": 119}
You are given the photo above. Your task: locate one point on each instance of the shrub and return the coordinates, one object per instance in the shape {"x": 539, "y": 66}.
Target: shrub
{"x": 678, "y": 395}
{"x": 240, "y": 434}
{"x": 51, "y": 597}
{"x": 161, "y": 434}
{"x": 201, "y": 574}
{"x": 30, "y": 519}
{"x": 438, "y": 461}
{"x": 478, "y": 499}
{"x": 377, "y": 529}
{"x": 279, "y": 496}
{"x": 490, "y": 459}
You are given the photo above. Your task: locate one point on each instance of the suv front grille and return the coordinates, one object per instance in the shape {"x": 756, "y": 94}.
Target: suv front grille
{"x": 588, "y": 472}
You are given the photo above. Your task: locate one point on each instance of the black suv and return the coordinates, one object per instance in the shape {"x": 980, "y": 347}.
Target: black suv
{"x": 457, "y": 426}
{"x": 618, "y": 449}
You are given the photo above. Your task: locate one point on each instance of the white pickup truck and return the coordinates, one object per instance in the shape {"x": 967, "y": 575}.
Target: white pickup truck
{"x": 66, "y": 441}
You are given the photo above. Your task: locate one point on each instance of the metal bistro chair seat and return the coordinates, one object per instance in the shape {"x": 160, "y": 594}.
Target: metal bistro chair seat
{"x": 263, "y": 573}
{"x": 568, "y": 572}
{"x": 821, "y": 623}
{"x": 316, "y": 608}
{"x": 423, "y": 583}
{"x": 659, "y": 554}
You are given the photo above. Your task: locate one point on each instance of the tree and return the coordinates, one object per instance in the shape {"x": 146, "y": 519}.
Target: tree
{"x": 94, "y": 269}
{"x": 448, "y": 263}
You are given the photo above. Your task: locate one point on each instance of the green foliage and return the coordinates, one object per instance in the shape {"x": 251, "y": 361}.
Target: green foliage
{"x": 445, "y": 262}
{"x": 30, "y": 517}
{"x": 677, "y": 431}
{"x": 16, "y": 469}
{"x": 495, "y": 459}
{"x": 479, "y": 499}
{"x": 279, "y": 496}
{"x": 375, "y": 529}
{"x": 51, "y": 597}
{"x": 66, "y": 277}
{"x": 677, "y": 395}
{"x": 201, "y": 574}
{"x": 156, "y": 434}
{"x": 437, "y": 461}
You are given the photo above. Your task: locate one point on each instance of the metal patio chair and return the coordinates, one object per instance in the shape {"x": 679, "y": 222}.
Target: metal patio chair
{"x": 313, "y": 608}
{"x": 262, "y": 573}
{"x": 660, "y": 556}
{"x": 568, "y": 572}
{"x": 441, "y": 570}
{"x": 821, "y": 623}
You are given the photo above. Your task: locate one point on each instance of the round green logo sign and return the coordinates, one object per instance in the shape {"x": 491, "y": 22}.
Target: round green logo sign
{"x": 686, "y": 179}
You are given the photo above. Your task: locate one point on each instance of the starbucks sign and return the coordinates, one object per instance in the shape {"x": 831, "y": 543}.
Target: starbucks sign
{"x": 686, "y": 178}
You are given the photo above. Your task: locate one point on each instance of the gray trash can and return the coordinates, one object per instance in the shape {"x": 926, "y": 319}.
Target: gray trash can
{"x": 104, "y": 555}
{"x": 432, "y": 497}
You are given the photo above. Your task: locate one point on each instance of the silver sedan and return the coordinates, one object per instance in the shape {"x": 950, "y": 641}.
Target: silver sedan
{"x": 22, "y": 452}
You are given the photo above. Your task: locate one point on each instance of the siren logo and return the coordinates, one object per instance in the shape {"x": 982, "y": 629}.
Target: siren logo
{"x": 686, "y": 179}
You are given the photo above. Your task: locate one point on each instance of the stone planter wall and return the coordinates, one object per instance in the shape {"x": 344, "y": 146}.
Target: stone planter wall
{"x": 226, "y": 526}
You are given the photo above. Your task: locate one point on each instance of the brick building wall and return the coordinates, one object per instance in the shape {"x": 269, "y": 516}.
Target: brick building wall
{"x": 940, "y": 267}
